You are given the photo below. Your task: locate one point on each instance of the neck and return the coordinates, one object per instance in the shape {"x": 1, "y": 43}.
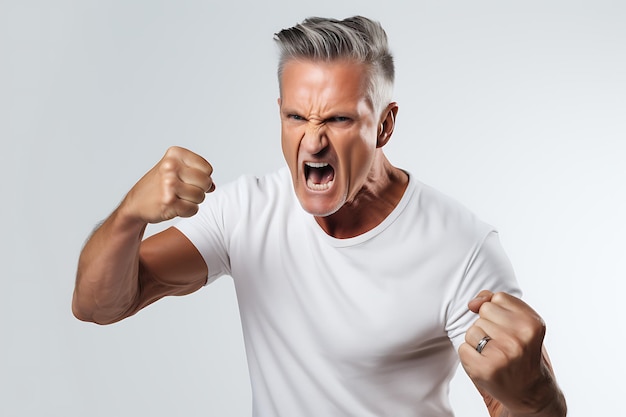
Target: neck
{"x": 380, "y": 194}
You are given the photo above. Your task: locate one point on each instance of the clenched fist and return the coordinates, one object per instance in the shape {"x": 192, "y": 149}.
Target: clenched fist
{"x": 174, "y": 187}
{"x": 503, "y": 355}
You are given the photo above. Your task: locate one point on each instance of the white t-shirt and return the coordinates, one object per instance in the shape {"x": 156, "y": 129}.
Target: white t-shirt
{"x": 365, "y": 326}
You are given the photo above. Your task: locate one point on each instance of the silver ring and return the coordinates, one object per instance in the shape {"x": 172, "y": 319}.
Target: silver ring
{"x": 481, "y": 345}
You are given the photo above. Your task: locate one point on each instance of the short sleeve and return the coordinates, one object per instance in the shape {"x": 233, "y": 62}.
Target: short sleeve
{"x": 206, "y": 230}
{"x": 488, "y": 269}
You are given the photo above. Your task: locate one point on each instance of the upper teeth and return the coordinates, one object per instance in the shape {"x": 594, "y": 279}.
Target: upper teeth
{"x": 316, "y": 164}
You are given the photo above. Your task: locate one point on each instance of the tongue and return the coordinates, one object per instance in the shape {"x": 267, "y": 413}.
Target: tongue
{"x": 321, "y": 175}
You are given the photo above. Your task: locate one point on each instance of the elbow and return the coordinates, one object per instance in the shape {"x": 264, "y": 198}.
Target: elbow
{"x": 80, "y": 311}
{"x": 84, "y": 312}
{"x": 82, "y": 315}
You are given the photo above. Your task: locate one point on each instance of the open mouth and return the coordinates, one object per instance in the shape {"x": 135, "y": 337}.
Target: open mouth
{"x": 319, "y": 175}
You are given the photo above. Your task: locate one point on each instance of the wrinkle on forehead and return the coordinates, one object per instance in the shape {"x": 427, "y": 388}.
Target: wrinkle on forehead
{"x": 317, "y": 90}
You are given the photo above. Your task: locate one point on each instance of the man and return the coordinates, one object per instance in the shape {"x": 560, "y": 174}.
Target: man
{"x": 356, "y": 283}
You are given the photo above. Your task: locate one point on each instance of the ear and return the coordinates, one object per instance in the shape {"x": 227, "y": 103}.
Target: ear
{"x": 387, "y": 123}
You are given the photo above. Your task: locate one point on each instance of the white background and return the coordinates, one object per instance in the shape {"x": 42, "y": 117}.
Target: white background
{"x": 517, "y": 109}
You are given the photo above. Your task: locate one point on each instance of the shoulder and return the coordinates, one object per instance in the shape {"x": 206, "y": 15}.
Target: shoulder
{"x": 444, "y": 214}
{"x": 251, "y": 189}
{"x": 274, "y": 182}
{"x": 250, "y": 199}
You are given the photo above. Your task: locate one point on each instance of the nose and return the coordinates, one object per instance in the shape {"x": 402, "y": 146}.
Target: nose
{"x": 314, "y": 140}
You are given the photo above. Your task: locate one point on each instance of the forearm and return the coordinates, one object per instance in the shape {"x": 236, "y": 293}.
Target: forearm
{"x": 113, "y": 280}
{"x": 553, "y": 403}
{"x": 107, "y": 279}
{"x": 555, "y": 408}
{"x": 547, "y": 399}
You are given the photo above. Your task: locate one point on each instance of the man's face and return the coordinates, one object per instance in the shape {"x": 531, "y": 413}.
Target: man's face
{"x": 329, "y": 132}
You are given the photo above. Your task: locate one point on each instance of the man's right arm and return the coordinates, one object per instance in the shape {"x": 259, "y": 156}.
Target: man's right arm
{"x": 118, "y": 272}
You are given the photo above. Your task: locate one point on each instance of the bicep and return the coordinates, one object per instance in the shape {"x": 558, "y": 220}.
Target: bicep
{"x": 169, "y": 264}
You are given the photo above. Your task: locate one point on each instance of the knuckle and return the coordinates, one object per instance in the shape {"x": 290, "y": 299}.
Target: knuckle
{"x": 513, "y": 348}
{"x": 168, "y": 191}
{"x": 173, "y": 150}
{"x": 532, "y": 330}
{"x": 479, "y": 323}
{"x": 499, "y": 297}
{"x": 168, "y": 165}
{"x": 526, "y": 331}
{"x": 485, "y": 308}
{"x": 167, "y": 200}
{"x": 542, "y": 328}
{"x": 169, "y": 182}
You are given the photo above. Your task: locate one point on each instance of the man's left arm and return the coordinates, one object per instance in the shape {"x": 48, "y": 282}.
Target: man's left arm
{"x": 512, "y": 372}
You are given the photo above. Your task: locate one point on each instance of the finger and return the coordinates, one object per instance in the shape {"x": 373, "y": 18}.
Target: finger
{"x": 469, "y": 356}
{"x": 184, "y": 208}
{"x": 512, "y": 303}
{"x": 501, "y": 338}
{"x": 498, "y": 314}
{"x": 498, "y": 334}
{"x": 179, "y": 208}
{"x": 511, "y": 341}
{"x": 511, "y": 312}
{"x": 502, "y": 299}
{"x": 196, "y": 177}
{"x": 474, "y": 334}
{"x": 472, "y": 361}
{"x": 480, "y": 367}
{"x": 188, "y": 158}
{"x": 193, "y": 160}
{"x": 190, "y": 193}
{"x": 482, "y": 297}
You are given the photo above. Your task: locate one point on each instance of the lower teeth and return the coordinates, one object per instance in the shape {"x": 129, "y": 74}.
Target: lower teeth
{"x": 318, "y": 187}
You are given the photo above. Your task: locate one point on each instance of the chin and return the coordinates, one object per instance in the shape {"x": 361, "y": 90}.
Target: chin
{"x": 317, "y": 208}
{"x": 320, "y": 213}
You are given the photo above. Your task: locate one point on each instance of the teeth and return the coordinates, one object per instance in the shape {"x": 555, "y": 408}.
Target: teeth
{"x": 318, "y": 187}
{"x": 316, "y": 164}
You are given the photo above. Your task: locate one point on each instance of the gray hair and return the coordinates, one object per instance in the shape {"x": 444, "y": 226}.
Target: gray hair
{"x": 356, "y": 38}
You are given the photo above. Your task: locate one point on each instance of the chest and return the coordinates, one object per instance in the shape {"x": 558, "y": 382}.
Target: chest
{"x": 380, "y": 301}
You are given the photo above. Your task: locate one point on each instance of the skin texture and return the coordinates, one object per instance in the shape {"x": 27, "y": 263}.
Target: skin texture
{"x": 326, "y": 117}
{"x": 513, "y": 372}
{"x": 118, "y": 274}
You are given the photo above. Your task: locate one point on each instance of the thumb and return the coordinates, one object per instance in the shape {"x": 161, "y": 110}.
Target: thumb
{"x": 483, "y": 297}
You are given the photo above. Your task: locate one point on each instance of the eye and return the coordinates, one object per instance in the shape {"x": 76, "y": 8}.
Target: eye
{"x": 295, "y": 117}
{"x": 339, "y": 119}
